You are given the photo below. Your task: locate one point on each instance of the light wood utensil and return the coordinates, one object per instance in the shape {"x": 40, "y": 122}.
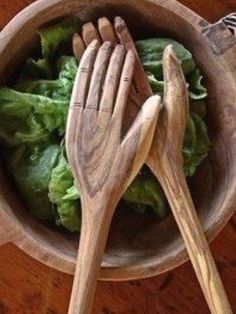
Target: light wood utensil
{"x": 90, "y": 33}
{"x": 107, "y": 32}
{"x": 166, "y": 162}
{"x": 103, "y": 161}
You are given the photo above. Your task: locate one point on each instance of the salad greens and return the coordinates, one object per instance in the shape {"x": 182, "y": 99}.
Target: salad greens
{"x": 33, "y": 116}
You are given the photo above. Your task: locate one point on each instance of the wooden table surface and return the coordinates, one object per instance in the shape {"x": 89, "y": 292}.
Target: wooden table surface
{"x": 26, "y": 286}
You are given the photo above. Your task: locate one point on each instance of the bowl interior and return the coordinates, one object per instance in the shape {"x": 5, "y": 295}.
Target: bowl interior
{"x": 136, "y": 243}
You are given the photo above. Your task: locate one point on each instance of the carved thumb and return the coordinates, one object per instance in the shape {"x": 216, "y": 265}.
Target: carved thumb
{"x": 139, "y": 138}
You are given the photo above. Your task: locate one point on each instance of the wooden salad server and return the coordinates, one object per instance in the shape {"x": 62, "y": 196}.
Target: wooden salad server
{"x": 166, "y": 162}
{"x": 103, "y": 160}
{"x": 106, "y": 32}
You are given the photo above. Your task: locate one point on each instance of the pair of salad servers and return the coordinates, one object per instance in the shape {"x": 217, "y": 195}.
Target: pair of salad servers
{"x": 105, "y": 152}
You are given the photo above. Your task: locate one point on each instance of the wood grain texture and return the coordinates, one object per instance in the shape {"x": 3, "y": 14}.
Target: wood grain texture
{"x": 166, "y": 161}
{"x": 89, "y": 33}
{"x": 106, "y": 30}
{"x": 103, "y": 161}
{"x": 27, "y": 286}
{"x": 158, "y": 246}
{"x": 168, "y": 167}
{"x": 78, "y": 46}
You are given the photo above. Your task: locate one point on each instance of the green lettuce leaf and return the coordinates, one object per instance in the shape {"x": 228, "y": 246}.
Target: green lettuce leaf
{"x": 54, "y": 36}
{"x": 33, "y": 119}
{"x": 72, "y": 193}
{"x": 55, "y": 41}
{"x": 31, "y": 170}
{"x": 40, "y": 69}
{"x": 199, "y": 107}
{"x": 36, "y": 116}
{"x": 146, "y": 191}
{"x": 18, "y": 124}
{"x": 63, "y": 194}
{"x": 59, "y": 89}
{"x": 196, "y": 144}
{"x": 157, "y": 86}
{"x": 151, "y": 54}
{"x": 196, "y": 90}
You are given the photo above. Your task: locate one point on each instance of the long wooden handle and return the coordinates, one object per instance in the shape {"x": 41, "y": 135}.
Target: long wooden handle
{"x": 93, "y": 238}
{"x": 178, "y": 195}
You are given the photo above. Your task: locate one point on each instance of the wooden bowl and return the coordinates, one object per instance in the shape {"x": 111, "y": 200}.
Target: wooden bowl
{"x": 138, "y": 246}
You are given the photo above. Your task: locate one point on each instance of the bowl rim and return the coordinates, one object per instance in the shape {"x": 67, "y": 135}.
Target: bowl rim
{"x": 138, "y": 271}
